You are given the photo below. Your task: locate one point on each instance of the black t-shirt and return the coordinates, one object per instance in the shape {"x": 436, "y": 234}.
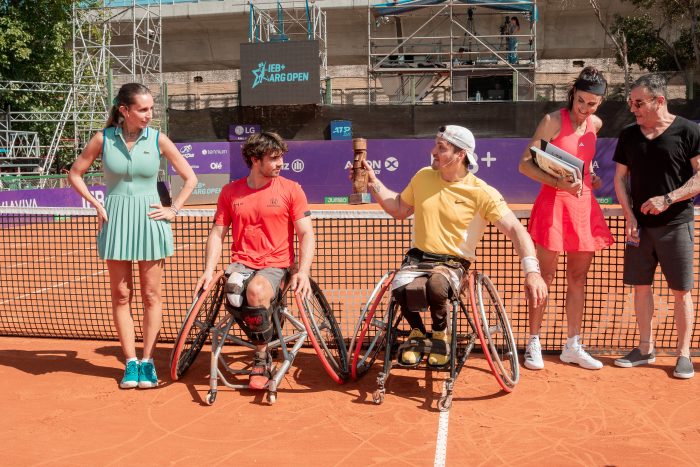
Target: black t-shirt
{"x": 659, "y": 166}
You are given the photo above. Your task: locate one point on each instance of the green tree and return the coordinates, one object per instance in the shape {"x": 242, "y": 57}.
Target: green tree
{"x": 619, "y": 40}
{"x": 664, "y": 36}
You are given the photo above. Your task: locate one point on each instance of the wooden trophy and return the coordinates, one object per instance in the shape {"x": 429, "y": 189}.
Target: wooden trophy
{"x": 360, "y": 193}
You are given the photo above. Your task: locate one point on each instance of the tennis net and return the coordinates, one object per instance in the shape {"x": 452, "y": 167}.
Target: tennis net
{"x": 54, "y": 285}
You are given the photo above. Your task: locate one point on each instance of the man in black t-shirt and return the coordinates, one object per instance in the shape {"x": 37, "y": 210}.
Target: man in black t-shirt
{"x": 656, "y": 179}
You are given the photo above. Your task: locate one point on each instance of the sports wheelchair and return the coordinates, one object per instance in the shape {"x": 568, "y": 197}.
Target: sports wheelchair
{"x": 378, "y": 330}
{"x": 316, "y": 324}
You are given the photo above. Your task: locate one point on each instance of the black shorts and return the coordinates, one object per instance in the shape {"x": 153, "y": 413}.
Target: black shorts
{"x": 671, "y": 246}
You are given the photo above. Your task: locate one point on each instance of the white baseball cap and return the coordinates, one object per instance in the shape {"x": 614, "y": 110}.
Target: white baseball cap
{"x": 460, "y": 137}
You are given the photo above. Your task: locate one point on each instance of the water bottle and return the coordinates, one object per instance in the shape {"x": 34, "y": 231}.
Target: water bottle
{"x": 478, "y": 96}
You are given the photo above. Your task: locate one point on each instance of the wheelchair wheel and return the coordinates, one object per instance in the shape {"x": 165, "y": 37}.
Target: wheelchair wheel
{"x": 324, "y": 333}
{"x": 195, "y": 328}
{"x": 370, "y": 334}
{"x": 494, "y": 331}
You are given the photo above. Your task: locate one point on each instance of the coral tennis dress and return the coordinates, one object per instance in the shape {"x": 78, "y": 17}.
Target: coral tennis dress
{"x": 131, "y": 179}
{"x": 561, "y": 221}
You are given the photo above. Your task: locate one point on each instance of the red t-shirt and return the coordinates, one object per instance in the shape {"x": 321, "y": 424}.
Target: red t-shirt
{"x": 262, "y": 221}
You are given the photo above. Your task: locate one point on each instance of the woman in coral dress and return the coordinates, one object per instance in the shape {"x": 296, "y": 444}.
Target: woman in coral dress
{"x": 566, "y": 216}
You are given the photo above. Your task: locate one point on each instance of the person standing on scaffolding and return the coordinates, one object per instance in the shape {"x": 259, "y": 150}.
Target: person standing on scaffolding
{"x": 513, "y": 28}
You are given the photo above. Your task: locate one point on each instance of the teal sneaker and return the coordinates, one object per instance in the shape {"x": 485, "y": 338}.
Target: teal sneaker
{"x": 147, "y": 375}
{"x": 131, "y": 376}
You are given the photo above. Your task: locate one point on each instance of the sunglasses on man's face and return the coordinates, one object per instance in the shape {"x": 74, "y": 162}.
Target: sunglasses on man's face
{"x": 639, "y": 103}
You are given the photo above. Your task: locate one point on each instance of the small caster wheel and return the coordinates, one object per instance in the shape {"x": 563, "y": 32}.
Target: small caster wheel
{"x": 211, "y": 397}
{"x": 271, "y": 397}
{"x": 445, "y": 403}
{"x": 378, "y": 396}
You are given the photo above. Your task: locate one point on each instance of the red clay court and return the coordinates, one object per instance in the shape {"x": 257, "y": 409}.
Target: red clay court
{"x": 63, "y": 406}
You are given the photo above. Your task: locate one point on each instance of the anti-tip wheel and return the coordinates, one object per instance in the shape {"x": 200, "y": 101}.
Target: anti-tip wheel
{"x": 271, "y": 397}
{"x": 445, "y": 403}
{"x": 211, "y": 397}
{"x": 378, "y": 396}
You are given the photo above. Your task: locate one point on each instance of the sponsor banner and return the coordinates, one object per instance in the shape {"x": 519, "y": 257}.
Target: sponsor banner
{"x": 335, "y": 200}
{"x": 50, "y": 197}
{"x": 207, "y": 191}
{"x": 322, "y": 167}
{"x": 280, "y": 73}
{"x": 341, "y": 129}
{"x": 238, "y": 132}
{"x": 205, "y": 158}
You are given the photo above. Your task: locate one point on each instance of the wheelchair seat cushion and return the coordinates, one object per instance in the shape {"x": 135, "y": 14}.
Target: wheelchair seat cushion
{"x": 416, "y": 296}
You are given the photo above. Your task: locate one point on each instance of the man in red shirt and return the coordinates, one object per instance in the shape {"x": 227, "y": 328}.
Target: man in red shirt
{"x": 263, "y": 211}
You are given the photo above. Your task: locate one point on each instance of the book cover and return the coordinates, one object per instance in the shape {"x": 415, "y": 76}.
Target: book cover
{"x": 554, "y": 166}
{"x": 553, "y": 158}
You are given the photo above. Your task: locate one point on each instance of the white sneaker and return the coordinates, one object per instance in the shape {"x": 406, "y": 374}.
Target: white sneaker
{"x": 576, "y": 354}
{"x": 533, "y": 354}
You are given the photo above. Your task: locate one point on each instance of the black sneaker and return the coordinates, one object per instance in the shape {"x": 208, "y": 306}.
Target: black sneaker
{"x": 635, "y": 358}
{"x": 684, "y": 368}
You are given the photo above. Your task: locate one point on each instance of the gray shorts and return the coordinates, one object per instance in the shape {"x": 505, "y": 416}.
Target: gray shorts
{"x": 273, "y": 275}
{"x": 671, "y": 246}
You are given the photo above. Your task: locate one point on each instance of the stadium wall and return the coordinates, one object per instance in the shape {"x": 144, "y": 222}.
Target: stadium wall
{"x": 311, "y": 122}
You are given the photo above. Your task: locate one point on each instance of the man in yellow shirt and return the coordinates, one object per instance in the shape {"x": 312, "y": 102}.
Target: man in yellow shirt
{"x": 452, "y": 209}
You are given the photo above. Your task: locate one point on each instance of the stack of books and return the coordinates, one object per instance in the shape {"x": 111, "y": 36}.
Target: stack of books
{"x": 557, "y": 162}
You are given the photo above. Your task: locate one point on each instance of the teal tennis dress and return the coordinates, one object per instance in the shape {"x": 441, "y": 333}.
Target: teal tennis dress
{"x": 131, "y": 179}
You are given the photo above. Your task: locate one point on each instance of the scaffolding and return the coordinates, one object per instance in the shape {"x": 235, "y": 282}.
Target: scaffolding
{"x": 290, "y": 20}
{"x": 21, "y": 151}
{"x": 112, "y": 45}
{"x": 451, "y": 51}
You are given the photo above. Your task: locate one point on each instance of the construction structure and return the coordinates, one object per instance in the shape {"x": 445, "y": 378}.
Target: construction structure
{"x": 113, "y": 43}
{"x": 428, "y": 51}
{"x": 295, "y": 20}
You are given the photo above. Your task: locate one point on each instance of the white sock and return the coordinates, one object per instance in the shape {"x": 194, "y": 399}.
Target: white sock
{"x": 534, "y": 337}
{"x": 146, "y": 360}
{"x": 571, "y": 341}
{"x": 132, "y": 359}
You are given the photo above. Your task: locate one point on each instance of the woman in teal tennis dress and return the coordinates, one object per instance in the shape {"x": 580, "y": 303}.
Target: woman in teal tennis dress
{"x": 133, "y": 225}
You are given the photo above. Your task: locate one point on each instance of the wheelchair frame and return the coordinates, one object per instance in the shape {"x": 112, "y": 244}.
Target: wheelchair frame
{"x": 317, "y": 324}
{"x": 487, "y": 322}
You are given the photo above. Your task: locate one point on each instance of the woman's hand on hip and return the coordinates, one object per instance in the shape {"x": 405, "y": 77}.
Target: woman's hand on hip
{"x": 162, "y": 213}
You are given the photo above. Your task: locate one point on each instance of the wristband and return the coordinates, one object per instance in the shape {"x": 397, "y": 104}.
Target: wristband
{"x": 530, "y": 264}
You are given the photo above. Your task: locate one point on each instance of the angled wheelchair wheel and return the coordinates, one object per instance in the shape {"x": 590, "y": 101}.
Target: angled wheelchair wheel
{"x": 370, "y": 333}
{"x": 324, "y": 333}
{"x": 195, "y": 328}
{"x": 495, "y": 332}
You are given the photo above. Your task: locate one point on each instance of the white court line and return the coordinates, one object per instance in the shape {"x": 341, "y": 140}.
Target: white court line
{"x": 19, "y": 297}
{"x": 441, "y": 444}
{"x": 45, "y": 258}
